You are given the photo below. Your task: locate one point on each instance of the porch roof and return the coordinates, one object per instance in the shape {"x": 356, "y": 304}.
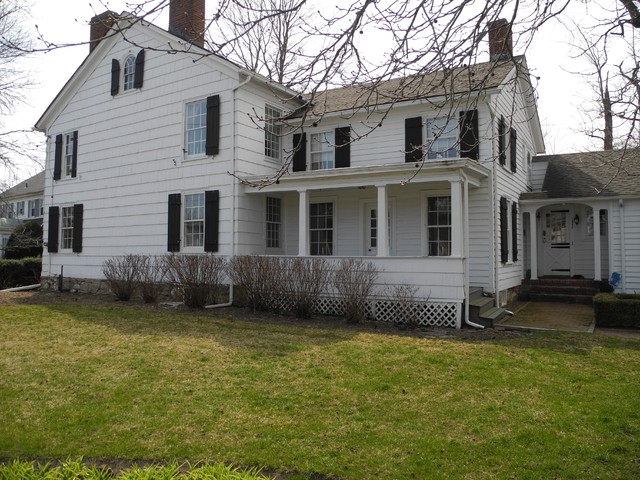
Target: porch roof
{"x": 388, "y": 174}
{"x": 589, "y": 174}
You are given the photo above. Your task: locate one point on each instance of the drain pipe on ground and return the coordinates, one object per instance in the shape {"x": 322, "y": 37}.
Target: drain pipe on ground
{"x": 220, "y": 305}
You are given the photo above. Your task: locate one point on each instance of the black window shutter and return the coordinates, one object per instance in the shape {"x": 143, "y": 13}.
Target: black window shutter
{"x": 115, "y": 77}
{"x": 513, "y": 146}
{"x": 78, "y": 211}
{"x": 300, "y": 152}
{"x": 469, "y": 138}
{"x": 514, "y": 230}
{"x": 413, "y": 139}
{"x": 74, "y": 158}
{"x": 139, "y": 72}
{"x": 213, "y": 125}
{"x": 343, "y": 147}
{"x": 502, "y": 154}
{"x": 54, "y": 225}
{"x": 173, "y": 236}
{"x": 504, "y": 238}
{"x": 211, "y": 220}
{"x": 57, "y": 164}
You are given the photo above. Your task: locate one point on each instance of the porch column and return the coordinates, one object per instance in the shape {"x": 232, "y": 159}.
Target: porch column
{"x": 533, "y": 243}
{"x": 457, "y": 219}
{"x": 303, "y": 223}
{"x": 383, "y": 222}
{"x": 597, "y": 270}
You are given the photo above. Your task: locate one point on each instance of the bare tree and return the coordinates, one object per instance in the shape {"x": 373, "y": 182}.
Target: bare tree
{"x": 16, "y": 144}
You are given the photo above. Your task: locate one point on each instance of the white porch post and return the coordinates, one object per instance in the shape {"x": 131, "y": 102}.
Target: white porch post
{"x": 383, "y": 222}
{"x": 597, "y": 270}
{"x": 533, "y": 243}
{"x": 457, "y": 219}
{"x": 303, "y": 223}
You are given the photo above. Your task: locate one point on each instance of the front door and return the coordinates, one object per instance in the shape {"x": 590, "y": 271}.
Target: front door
{"x": 556, "y": 243}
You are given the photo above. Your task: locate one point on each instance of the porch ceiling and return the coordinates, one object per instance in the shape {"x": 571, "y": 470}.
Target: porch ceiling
{"x": 371, "y": 175}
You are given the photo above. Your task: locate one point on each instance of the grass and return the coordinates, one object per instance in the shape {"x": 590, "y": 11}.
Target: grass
{"x": 118, "y": 382}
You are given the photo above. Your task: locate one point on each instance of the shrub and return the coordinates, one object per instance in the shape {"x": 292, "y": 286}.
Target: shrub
{"x": 198, "y": 277}
{"x": 25, "y": 241}
{"x": 152, "y": 273}
{"x": 402, "y": 298}
{"x": 262, "y": 279}
{"x": 306, "y": 279}
{"x": 18, "y": 273}
{"x": 122, "y": 274}
{"x": 354, "y": 281}
{"x": 617, "y": 310}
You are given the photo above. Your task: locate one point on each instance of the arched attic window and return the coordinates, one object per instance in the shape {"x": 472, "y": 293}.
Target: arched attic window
{"x": 129, "y": 72}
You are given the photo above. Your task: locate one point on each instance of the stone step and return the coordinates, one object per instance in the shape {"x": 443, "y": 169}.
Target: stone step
{"x": 494, "y": 314}
{"x": 481, "y": 304}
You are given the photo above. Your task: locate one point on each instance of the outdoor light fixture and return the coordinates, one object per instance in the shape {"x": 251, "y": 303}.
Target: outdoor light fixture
{"x": 576, "y": 219}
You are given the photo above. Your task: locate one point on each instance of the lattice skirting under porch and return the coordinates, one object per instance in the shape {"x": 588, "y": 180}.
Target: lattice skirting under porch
{"x": 424, "y": 313}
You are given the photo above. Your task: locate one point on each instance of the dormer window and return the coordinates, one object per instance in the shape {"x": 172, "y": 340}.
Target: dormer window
{"x": 129, "y": 72}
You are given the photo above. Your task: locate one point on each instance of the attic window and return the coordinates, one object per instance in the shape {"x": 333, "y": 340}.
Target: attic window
{"x": 129, "y": 72}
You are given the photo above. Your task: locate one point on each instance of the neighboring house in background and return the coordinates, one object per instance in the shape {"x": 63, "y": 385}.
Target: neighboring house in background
{"x": 21, "y": 203}
{"x": 141, "y": 142}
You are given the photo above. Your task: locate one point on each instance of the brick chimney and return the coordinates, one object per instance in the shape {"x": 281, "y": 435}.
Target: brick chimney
{"x": 186, "y": 20}
{"x": 500, "y": 40}
{"x": 99, "y": 27}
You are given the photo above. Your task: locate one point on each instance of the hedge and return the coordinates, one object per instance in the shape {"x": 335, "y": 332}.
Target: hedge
{"x": 617, "y": 310}
{"x": 18, "y": 273}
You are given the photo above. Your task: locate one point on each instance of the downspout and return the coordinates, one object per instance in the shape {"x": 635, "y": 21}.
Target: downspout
{"x": 234, "y": 191}
{"x": 623, "y": 254}
{"x": 465, "y": 253}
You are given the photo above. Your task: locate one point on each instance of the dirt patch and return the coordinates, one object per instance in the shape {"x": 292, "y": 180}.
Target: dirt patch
{"x": 38, "y": 297}
{"x": 568, "y": 317}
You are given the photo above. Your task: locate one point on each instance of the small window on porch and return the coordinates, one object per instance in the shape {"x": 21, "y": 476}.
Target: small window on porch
{"x": 603, "y": 223}
{"x": 274, "y": 216}
{"x": 321, "y": 228}
{"x": 439, "y": 226}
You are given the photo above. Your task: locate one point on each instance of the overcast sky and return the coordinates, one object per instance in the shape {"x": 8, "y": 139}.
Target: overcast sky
{"x": 66, "y": 22}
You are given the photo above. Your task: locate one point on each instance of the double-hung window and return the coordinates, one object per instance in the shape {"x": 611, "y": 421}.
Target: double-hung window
{"x": 321, "y": 228}
{"x": 129, "y": 72}
{"x": 35, "y": 208}
{"x": 67, "y": 228}
{"x": 442, "y": 137}
{"x": 272, "y": 132}
{"x": 322, "y": 150}
{"x": 196, "y": 128}
{"x": 194, "y": 220}
{"x": 69, "y": 149}
{"x": 274, "y": 222}
{"x": 439, "y": 226}
{"x": 20, "y": 209}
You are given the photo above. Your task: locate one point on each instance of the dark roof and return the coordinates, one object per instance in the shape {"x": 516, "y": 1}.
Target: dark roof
{"x": 477, "y": 77}
{"x": 590, "y": 174}
{"x": 31, "y": 186}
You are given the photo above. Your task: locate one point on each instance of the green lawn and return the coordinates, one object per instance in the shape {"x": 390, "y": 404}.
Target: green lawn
{"x": 118, "y": 382}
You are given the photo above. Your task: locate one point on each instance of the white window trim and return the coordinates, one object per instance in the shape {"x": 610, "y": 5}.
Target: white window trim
{"x": 65, "y": 154}
{"x": 196, "y": 156}
{"x": 280, "y": 136}
{"x": 456, "y": 144}
{"x": 332, "y": 145}
{"x": 63, "y": 228}
{"x": 424, "y": 234}
{"x": 281, "y": 248}
{"x": 183, "y": 221}
{"x": 133, "y": 74}
{"x": 334, "y": 201}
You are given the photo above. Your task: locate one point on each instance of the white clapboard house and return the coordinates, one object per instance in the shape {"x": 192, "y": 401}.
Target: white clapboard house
{"x": 156, "y": 146}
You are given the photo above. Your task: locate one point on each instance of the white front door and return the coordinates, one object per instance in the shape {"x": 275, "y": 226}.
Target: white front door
{"x": 556, "y": 243}
{"x": 371, "y": 229}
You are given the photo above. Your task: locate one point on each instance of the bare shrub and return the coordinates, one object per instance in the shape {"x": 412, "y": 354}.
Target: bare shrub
{"x": 198, "y": 277}
{"x": 121, "y": 274}
{"x": 151, "y": 275}
{"x": 402, "y": 299}
{"x": 306, "y": 279}
{"x": 354, "y": 281}
{"x": 262, "y": 280}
